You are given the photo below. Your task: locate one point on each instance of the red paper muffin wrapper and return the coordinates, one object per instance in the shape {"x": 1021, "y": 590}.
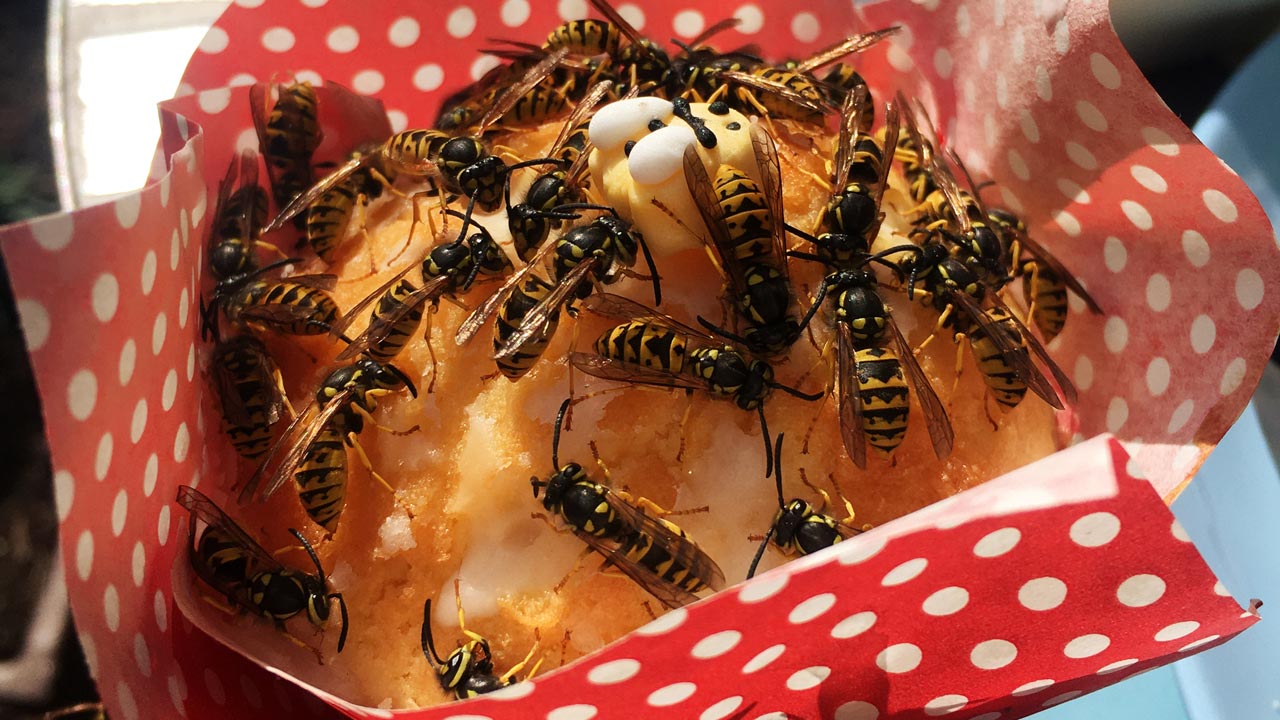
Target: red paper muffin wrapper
{"x": 1047, "y": 583}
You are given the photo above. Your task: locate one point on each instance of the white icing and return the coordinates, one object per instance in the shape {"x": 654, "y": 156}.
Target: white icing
{"x": 616, "y": 123}
{"x": 659, "y": 155}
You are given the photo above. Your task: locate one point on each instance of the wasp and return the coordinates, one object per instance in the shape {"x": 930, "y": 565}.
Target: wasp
{"x": 800, "y": 528}
{"x": 602, "y": 249}
{"x": 650, "y": 348}
{"x": 461, "y": 163}
{"x": 468, "y": 671}
{"x": 295, "y": 305}
{"x": 745, "y": 223}
{"x": 315, "y": 443}
{"x": 288, "y": 134}
{"x": 231, "y": 562}
{"x": 531, "y": 220}
{"x": 842, "y": 79}
{"x": 654, "y": 552}
{"x": 329, "y": 217}
{"x": 238, "y": 217}
{"x": 251, "y": 393}
{"x": 874, "y": 365}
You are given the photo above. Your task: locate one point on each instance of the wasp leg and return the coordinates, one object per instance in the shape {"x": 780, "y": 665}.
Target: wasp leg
{"x": 280, "y": 626}
{"x": 364, "y": 414}
{"x": 960, "y": 339}
{"x": 279, "y": 378}
{"x": 354, "y": 442}
{"x": 506, "y": 676}
{"x": 986, "y": 409}
{"x": 1031, "y": 301}
{"x": 823, "y": 357}
{"x": 269, "y": 247}
{"x": 684, "y": 422}
{"x": 431, "y": 351}
{"x": 942, "y": 321}
{"x": 219, "y": 605}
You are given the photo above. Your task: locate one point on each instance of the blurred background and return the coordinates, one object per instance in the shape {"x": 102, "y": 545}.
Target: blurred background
{"x": 71, "y": 136}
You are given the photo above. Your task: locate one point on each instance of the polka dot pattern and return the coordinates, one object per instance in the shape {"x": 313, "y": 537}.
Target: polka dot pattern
{"x": 1069, "y": 77}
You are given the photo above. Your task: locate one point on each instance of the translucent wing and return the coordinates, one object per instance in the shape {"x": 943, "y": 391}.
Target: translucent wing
{"x": 227, "y": 383}
{"x": 668, "y": 593}
{"x": 315, "y": 192}
{"x": 850, "y": 399}
{"x": 775, "y": 88}
{"x": 848, "y": 46}
{"x": 682, "y": 550}
{"x": 951, "y": 189}
{"x": 626, "y": 309}
{"x": 536, "y": 321}
{"x": 358, "y": 309}
{"x": 1014, "y": 352}
{"x": 892, "y": 128}
{"x": 714, "y": 29}
{"x": 507, "y": 100}
{"x": 318, "y": 281}
{"x": 704, "y": 198}
{"x": 613, "y": 16}
{"x": 204, "y": 509}
{"x": 382, "y": 326}
{"x": 850, "y": 113}
{"x": 939, "y": 424}
{"x": 295, "y": 441}
{"x": 481, "y": 315}
{"x": 1068, "y": 388}
{"x": 610, "y": 369}
{"x": 224, "y": 194}
{"x": 584, "y": 108}
{"x": 1044, "y": 256}
{"x": 766, "y": 154}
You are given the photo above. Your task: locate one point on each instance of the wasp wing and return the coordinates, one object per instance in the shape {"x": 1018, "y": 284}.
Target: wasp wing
{"x": 1068, "y": 388}
{"x": 381, "y": 326}
{"x": 1043, "y": 255}
{"x": 610, "y": 369}
{"x": 316, "y": 191}
{"x": 849, "y": 46}
{"x": 766, "y": 154}
{"x": 535, "y": 323}
{"x": 777, "y": 89}
{"x": 626, "y": 309}
{"x": 481, "y": 315}
{"x": 358, "y": 309}
{"x": 851, "y": 110}
{"x": 584, "y": 107}
{"x": 1014, "y": 352}
{"x": 704, "y": 198}
{"x": 668, "y": 593}
{"x": 939, "y": 424}
{"x": 850, "y": 399}
{"x": 613, "y": 16}
{"x": 508, "y": 98}
{"x": 228, "y": 384}
{"x": 892, "y": 129}
{"x": 204, "y": 509}
{"x": 295, "y": 442}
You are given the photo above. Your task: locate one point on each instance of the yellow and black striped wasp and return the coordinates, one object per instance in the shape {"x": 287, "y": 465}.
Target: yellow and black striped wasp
{"x": 651, "y": 550}
{"x": 799, "y": 527}
{"x": 457, "y": 163}
{"x": 468, "y": 671}
{"x": 293, "y": 305}
{"x": 842, "y": 79}
{"x": 229, "y": 561}
{"x": 745, "y": 223}
{"x": 532, "y": 219}
{"x": 314, "y": 446}
{"x": 288, "y": 134}
{"x": 329, "y": 217}
{"x": 238, "y": 217}
{"x": 250, "y": 392}
{"x": 650, "y": 348}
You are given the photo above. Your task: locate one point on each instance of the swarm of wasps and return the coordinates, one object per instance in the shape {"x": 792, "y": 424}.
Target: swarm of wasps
{"x": 959, "y": 261}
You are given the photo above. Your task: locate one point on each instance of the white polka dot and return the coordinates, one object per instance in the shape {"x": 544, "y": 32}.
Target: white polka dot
{"x": 158, "y": 332}
{"x": 1103, "y": 69}
{"x": 310, "y": 76}
{"x": 1091, "y": 116}
{"x": 184, "y": 307}
{"x": 34, "y": 320}
{"x": 573, "y": 712}
{"x": 213, "y": 684}
{"x": 1115, "y": 333}
{"x": 1028, "y": 124}
{"x": 808, "y": 678}
{"x": 239, "y": 80}
{"x": 571, "y": 9}
{"x": 1148, "y": 178}
{"x": 1068, "y": 222}
{"x": 191, "y": 365}
{"x": 398, "y": 120}
{"x": 716, "y": 644}
{"x": 905, "y": 572}
{"x": 1160, "y": 141}
{"x": 52, "y": 233}
{"x": 124, "y": 695}
{"x": 82, "y": 394}
{"x": 812, "y": 608}
{"x": 1114, "y": 254}
{"x": 1233, "y": 376}
{"x": 944, "y": 705}
{"x": 1083, "y": 374}
{"x": 214, "y": 101}
{"x": 1086, "y": 646}
{"x": 403, "y": 32}
{"x": 1062, "y": 36}
{"x": 1074, "y": 192}
{"x": 1158, "y": 376}
{"x": 613, "y": 672}
{"x": 1059, "y": 699}
{"x": 1018, "y": 165}
{"x": 1010, "y": 200}
{"x": 805, "y": 27}
{"x": 1137, "y": 214}
{"x": 963, "y": 24}
{"x": 1198, "y": 643}
{"x": 899, "y": 58}
{"x": 461, "y": 22}
{"x": 762, "y": 588}
{"x": 857, "y": 710}
{"x": 1249, "y": 288}
{"x": 722, "y": 709}
{"x": 763, "y": 659}
{"x": 997, "y": 543}
{"x": 515, "y": 12}
{"x": 665, "y": 623}
{"x": 519, "y": 690}
{"x": 175, "y": 250}
{"x": 214, "y": 41}
{"x": 947, "y": 601}
{"x": 989, "y": 128}
{"x": 111, "y": 607}
{"x": 315, "y": 3}
{"x": 943, "y": 63}
{"x": 139, "y": 422}
{"x": 64, "y": 492}
{"x": 1203, "y": 333}
{"x": 900, "y": 658}
{"x": 1195, "y": 248}
{"x": 993, "y": 654}
{"x": 181, "y": 443}
{"x": 1031, "y": 688}
{"x": 141, "y": 655}
{"x": 1140, "y": 590}
{"x": 1159, "y": 292}
{"x": 127, "y": 209}
{"x": 368, "y": 82}
{"x": 102, "y": 459}
{"x": 1181, "y": 415}
{"x": 344, "y": 38}
{"x": 1043, "y": 593}
{"x": 160, "y": 606}
{"x": 1081, "y": 156}
{"x": 149, "y": 475}
{"x": 1117, "y": 414}
{"x": 970, "y": 93}
{"x": 139, "y": 563}
{"x": 278, "y": 40}
{"x": 170, "y": 390}
{"x": 1095, "y": 529}
{"x": 750, "y": 19}
{"x": 1177, "y": 631}
{"x": 428, "y": 77}
{"x": 84, "y": 555}
{"x": 1044, "y": 88}
{"x": 1220, "y": 205}
{"x": 119, "y": 512}
{"x": 1179, "y": 533}
{"x": 853, "y": 625}
{"x": 1118, "y": 665}
{"x": 688, "y": 23}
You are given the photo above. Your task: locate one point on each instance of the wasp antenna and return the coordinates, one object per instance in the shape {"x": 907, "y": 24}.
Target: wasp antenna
{"x": 428, "y": 642}
{"x": 799, "y": 233}
{"x": 413, "y": 390}
{"x": 755, "y": 561}
{"x": 815, "y": 306}
{"x": 777, "y": 467}
{"x": 342, "y": 610}
{"x": 768, "y": 446}
{"x": 802, "y": 255}
{"x": 716, "y": 329}
{"x": 653, "y": 269}
{"x": 310, "y": 551}
{"x": 537, "y": 484}
{"x": 555, "y": 437}
{"x": 793, "y": 392}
